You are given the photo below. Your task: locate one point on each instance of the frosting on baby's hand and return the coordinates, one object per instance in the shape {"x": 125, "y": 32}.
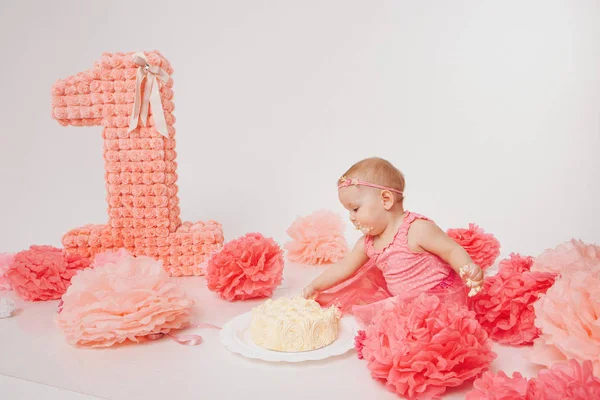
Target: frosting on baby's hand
{"x": 467, "y": 272}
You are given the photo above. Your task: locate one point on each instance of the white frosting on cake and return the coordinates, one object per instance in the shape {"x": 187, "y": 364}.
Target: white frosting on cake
{"x": 294, "y": 325}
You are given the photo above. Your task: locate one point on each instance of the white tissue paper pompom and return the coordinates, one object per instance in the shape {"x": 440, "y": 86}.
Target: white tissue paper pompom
{"x": 7, "y": 306}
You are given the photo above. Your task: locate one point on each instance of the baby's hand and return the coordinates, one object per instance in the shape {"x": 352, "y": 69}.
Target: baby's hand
{"x": 309, "y": 293}
{"x": 473, "y": 275}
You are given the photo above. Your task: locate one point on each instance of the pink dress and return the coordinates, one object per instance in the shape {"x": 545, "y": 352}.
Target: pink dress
{"x": 392, "y": 274}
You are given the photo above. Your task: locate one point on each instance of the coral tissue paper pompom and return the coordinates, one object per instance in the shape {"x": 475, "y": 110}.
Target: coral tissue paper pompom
{"x": 568, "y": 316}
{"x": 317, "y": 239}
{"x": 122, "y": 299}
{"x": 505, "y": 305}
{"x": 565, "y": 380}
{"x": 483, "y": 248}
{"x": 6, "y": 260}
{"x": 43, "y": 272}
{"x": 499, "y": 387}
{"x": 422, "y": 347}
{"x": 573, "y": 255}
{"x": 246, "y": 268}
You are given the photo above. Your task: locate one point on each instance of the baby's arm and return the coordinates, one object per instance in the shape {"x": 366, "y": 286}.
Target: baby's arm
{"x": 431, "y": 238}
{"x": 338, "y": 272}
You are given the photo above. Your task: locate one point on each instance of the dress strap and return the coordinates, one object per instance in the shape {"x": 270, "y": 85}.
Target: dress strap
{"x": 408, "y": 220}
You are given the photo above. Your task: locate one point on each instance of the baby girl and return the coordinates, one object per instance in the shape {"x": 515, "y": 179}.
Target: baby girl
{"x": 410, "y": 254}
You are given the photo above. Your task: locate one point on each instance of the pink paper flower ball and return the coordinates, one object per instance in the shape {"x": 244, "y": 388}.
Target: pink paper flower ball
{"x": 317, "y": 239}
{"x": 112, "y": 256}
{"x": 246, "y": 268}
{"x": 565, "y": 380}
{"x": 422, "y": 347}
{"x": 483, "y": 248}
{"x": 359, "y": 343}
{"x": 504, "y": 307}
{"x": 43, "y": 272}
{"x": 573, "y": 255}
{"x": 499, "y": 387}
{"x": 127, "y": 299}
{"x": 568, "y": 316}
{"x": 6, "y": 260}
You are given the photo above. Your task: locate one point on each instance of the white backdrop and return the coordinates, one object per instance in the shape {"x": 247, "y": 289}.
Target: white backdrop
{"x": 491, "y": 109}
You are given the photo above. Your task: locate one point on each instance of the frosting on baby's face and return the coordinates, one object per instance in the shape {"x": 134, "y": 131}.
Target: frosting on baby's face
{"x": 365, "y": 207}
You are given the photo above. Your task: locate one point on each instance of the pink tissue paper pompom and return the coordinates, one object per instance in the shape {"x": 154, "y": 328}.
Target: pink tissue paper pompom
{"x": 43, "y": 272}
{"x": 421, "y": 347}
{"x": 6, "y": 260}
{"x": 505, "y": 306}
{"x": 124, "y": 299}
{"x": 317, "y": 239}
{"x": 573, "y": 255}
{"x": 483, "y": 248}
{"x": 499, "y": 387}
{"x": 565, "y": 380}
{"x": 246, "y": 268}
{"x": 113, "y": 256}
{"x": 568, "y": 317}
{"x": 359, "y": 343}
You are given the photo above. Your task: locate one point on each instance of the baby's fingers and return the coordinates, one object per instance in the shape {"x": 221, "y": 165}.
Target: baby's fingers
{"x": 468, "y": 271}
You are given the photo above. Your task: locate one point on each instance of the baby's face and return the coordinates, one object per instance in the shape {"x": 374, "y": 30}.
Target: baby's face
{"x": 366, "y": 208}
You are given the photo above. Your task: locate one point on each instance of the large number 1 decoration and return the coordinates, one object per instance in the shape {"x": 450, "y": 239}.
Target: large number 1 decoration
{"x": 131, "y": 97}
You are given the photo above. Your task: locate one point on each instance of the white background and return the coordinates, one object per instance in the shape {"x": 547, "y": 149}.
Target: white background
{"x": 490, "y": 108}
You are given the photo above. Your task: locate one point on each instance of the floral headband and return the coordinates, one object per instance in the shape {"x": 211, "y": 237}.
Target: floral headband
{"x": 345, "y": 182}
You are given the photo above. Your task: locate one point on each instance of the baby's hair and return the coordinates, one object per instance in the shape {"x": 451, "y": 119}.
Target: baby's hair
{"x": 379, "y": 171}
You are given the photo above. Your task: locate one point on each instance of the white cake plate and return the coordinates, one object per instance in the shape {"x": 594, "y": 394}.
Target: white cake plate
{"x": 235, "y": 335}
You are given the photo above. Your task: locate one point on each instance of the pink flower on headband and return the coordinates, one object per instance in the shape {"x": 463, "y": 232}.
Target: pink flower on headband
{"x": 345, "y": 182}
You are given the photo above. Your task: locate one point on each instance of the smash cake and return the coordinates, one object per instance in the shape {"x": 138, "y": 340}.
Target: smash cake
{"x": 294, "y": 325}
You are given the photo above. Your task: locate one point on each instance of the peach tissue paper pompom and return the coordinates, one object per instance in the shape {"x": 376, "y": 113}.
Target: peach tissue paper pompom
{"x": 565, "y": 380}
{"x": 246, "y": 268}
{"x": 113, "y": 256}
{"x": 43, "y": 272}
{"x": 6, "y": 260}
{"x": 573, "y": 255}
{"x": 505, "y": 306}
{"x": 122, "y": 299}
{"x": 568, "y": 317}
{"x": 483, "y": 248}
{"x": 499, "y": 387}
{"x": 419, "y": 348}
{"x": 317, "y": 239}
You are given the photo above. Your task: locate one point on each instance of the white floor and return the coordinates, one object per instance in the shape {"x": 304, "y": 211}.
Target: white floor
{"x": 36, "y": 362}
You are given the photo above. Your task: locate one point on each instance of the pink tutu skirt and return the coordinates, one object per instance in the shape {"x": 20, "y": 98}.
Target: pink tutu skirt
{"x": 365, "y": 294}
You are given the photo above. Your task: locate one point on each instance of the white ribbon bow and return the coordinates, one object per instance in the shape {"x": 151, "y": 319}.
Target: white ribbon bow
{"x": 151, "y": 95}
